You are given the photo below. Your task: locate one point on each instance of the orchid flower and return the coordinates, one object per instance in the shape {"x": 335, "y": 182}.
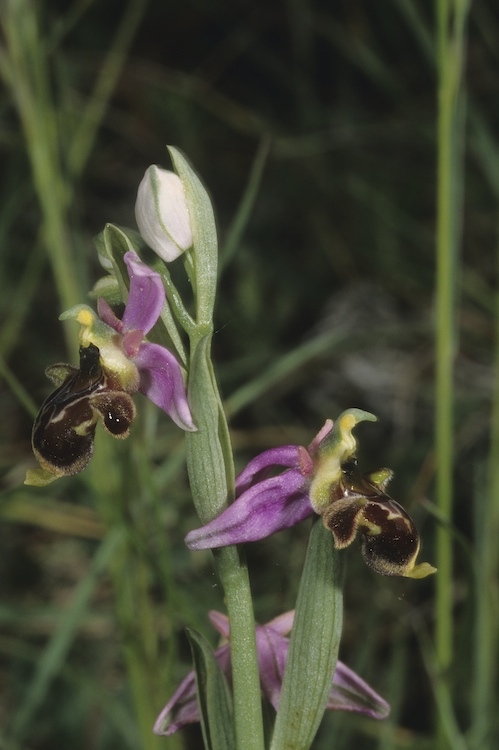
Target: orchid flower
{"x": 348, "y": 691}
{"x": 323, "y": 479}
{"x": 115, "y": 362}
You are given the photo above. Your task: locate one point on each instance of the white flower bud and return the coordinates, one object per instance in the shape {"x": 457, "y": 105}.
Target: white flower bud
{"x": 162, "y": 214}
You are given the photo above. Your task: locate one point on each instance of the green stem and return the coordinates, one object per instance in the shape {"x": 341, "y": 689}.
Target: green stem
{"x": 233, "y": 572}
{"x": 209, "y": 458}
{"x": 450, "y": 56}
{"x": 211, "y": 475}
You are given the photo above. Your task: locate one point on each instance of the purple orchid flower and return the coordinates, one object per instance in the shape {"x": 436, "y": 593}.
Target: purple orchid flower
{"x": 348, "y": 691}
{"x": 160, "y": 376}
{"x": 115, "y": 362}
{"x": 323, "y": 479}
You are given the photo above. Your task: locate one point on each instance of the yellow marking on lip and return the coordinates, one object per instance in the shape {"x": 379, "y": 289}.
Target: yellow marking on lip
{"x": 374, "y": 529}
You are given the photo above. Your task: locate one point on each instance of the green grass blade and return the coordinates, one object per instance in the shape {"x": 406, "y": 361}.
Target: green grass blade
{"x": 56, "y": 650}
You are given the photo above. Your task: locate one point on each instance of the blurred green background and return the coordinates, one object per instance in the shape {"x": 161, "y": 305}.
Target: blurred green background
{"x": 317, "y": 128}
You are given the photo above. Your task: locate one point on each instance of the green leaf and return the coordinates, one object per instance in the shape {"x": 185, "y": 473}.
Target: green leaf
{"x": 108, "y": 288}
{"x": 112, "y": 244}
{"x": 204, "y": 235}
{"x": 209, "y": 460}
{"x": 214, "y": 699}
{"x": 313, "y": 649}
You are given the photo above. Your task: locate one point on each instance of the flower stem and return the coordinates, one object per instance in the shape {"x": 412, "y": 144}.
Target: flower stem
{"x": 211, "y": 475}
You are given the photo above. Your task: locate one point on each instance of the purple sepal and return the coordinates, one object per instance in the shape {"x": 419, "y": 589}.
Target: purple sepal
{"x": 350, "y": 693}
{"x": 182, "y": 708}
{"x": 269, "y": 506}
{"x": 161, "y": 381}
{"x": 146, "y": 297}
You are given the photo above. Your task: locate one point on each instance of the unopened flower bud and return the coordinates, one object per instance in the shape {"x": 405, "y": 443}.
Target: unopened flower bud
{"x": 162, "y": 214}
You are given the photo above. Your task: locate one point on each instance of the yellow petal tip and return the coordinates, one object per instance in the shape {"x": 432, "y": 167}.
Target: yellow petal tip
{"x": 421, "y": 571}
{"x": 39, "y": 477}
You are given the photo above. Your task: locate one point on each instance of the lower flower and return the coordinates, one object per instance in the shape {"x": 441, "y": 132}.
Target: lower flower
{"x": 348, "y": 691}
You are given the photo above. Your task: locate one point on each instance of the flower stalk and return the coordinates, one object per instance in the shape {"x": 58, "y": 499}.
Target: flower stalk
{"x": 209, "y": 460}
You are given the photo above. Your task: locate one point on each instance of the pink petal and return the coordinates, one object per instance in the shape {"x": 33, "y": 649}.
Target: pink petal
{"x": 161, "y": 381}
{"x": 350, "y": 693}
{"x": 146, "y": 297}
{"x": 220, "y": 622}
{"x": 282, "y": 624}
{"x": 182, "y": 708}
{"x": 272, "y": 654}
{"x": 269, "y": 506}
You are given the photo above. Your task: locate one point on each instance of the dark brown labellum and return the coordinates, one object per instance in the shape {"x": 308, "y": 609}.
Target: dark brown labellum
{"x": 396, "y": 545}
{"x": 63, "y": 432}
{"x": 389, "y": 539}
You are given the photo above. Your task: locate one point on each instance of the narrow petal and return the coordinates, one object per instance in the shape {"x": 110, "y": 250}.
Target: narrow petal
{"x": 272, "y": 654}
{"x": 161, "y": 381}
{"x": 146, "y": 297}
{"x": 269, "y": 506}
{"x": 107, "y": 315}
{"x": 182, "y": 708}
{"x": 321, "y": 435}
{"x": 292, "y": 456}
{"x": 220, "y": 622}
{"x": 132, "y": 341}
{"x": 282, "y": 624}
{"x": 350, "y": 693}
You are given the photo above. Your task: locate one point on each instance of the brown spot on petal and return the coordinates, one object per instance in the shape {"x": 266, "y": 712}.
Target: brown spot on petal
{"x": 117, "y": 410}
